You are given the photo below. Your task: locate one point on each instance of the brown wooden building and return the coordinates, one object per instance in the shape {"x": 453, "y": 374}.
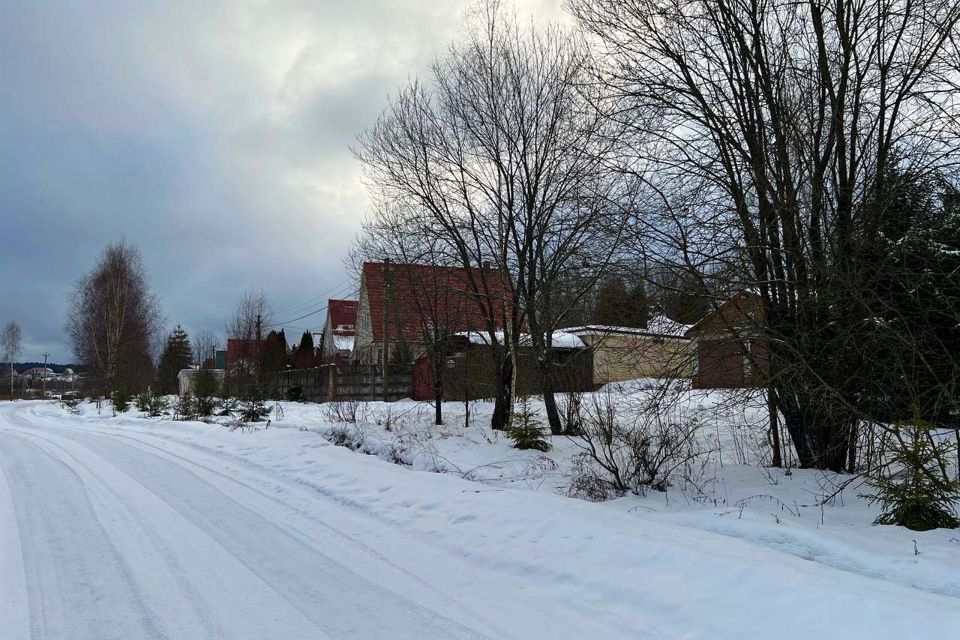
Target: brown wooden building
{"x": 469, "y": 372}
{"x": 730, "y": 349}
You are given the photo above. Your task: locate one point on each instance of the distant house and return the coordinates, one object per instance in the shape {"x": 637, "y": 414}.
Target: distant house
{"x": 39, "y": 373}
{"x": 339, "y": 331}
{"x": 401, "y": 303}
{"x": 730, "y": 349}
{"x": 659, "y": 350}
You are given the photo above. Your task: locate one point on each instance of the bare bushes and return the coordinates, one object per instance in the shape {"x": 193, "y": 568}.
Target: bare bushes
{"x": 355, "y": 438}
{"x": 344, "y": 411}
{"x": 343, "y": 436}
{"x": 571, "y": 411}
{"x": 631, "y": 451}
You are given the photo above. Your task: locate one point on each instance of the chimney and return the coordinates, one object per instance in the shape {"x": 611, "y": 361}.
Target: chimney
{"x": 486, "y": 265}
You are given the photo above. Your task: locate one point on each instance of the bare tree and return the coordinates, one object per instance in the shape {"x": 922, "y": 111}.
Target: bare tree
{"x": 114, "y": 321}
{"x": 505, "y": 161}
{"x": 248, "y": 326}
{"x": 10, "y": 346}
{"x": 779, "y": 122}
{"x": 205, "y": 345}
{"x": 440, "y": 298}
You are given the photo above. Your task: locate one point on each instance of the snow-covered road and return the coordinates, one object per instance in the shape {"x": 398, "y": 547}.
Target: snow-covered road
{"x": 128, "y": 528}
{"x": 121, "y": 540}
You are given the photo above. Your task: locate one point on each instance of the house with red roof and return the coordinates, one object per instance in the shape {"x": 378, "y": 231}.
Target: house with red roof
{"x": 403, "y": 305}
{"x": 339, "y": 331}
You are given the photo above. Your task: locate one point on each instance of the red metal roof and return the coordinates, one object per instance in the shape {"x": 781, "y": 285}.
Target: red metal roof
{"x": 424, "y": 294}
{"x": 343, "y": 317}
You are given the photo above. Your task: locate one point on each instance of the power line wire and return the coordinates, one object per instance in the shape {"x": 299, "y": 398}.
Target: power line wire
{"x": 285, "y": 323}
{"x": 322, "y": 297}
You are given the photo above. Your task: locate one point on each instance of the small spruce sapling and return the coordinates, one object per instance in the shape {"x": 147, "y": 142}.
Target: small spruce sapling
{"x": 253, "y": 408}
{"x": 205, "y": 389}
{"x": 121, "y": 401}
{"x": 914, "y": 489}
{"x": 157, "y": 406}
{"x": 185, "y": 408}
{"x": 525, "y": 429}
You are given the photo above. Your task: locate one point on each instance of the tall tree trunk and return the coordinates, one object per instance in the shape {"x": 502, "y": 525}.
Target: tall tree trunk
{"x": 549, "y": 400}
{"x": 438, "y": 389}
{"x": 774, "y": 427}
{"x": 503, "y": 403}
{"x": 800, "y": 428}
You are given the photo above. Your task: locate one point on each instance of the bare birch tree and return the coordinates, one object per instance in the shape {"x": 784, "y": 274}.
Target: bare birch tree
{"x": 10, "y": 346}
{"x": 114, "y": 321}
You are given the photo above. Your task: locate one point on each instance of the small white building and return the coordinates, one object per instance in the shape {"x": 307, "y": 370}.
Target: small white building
{"x": 186, "y": 377}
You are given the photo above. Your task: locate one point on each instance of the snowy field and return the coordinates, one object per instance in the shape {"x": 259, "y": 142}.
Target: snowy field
{"x": 130, "y": 527}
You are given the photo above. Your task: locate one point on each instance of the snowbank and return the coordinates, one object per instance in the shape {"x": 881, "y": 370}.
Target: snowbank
{"x": 743, "y": 552}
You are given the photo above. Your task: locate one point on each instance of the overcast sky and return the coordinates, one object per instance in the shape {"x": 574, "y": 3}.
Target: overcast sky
{"x": 212, "y": 135}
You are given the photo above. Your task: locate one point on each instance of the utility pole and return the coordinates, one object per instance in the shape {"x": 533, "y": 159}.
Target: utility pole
{"x": 43, "y": 378}
{"x": 387, "y": 289}
{"x": 259, "y": 350}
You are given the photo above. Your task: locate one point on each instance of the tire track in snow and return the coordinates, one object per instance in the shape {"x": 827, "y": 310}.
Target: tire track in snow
{"x": 70, "y": 594}
{"x": 173, "y": 592}
{"x": 14, "y": 604}
{"x": 230, "y": 529}
{"x": 598, "y": 591}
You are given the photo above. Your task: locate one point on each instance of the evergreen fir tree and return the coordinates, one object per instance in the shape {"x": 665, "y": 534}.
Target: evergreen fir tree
{"x": 306, "y": 343}
{"x": 684, "y": 297}
{"x": 177, "y": 355}
{"x": 611, "y": 309}
{"x": 907, "y": 268}
{"x": 121, "y": 401}
{"x": 525, "y": 429}
{"x": 205, "y": 389}
{"x": 274, "y": 356}
{"x": 636, "y": 307}
{"x": 253, "y": 408}
{"x": 303, "y": 354}
{"x": 913, "y": 488}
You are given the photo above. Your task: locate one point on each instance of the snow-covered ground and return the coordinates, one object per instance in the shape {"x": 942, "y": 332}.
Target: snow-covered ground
{"x": 129, "y": 527}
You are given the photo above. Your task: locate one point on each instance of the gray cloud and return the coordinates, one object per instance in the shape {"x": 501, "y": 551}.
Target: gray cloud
{"x": 214, "y": 136}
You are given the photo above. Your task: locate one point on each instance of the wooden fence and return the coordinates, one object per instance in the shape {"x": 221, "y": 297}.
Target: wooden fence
{"x": 332, "y": 382}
